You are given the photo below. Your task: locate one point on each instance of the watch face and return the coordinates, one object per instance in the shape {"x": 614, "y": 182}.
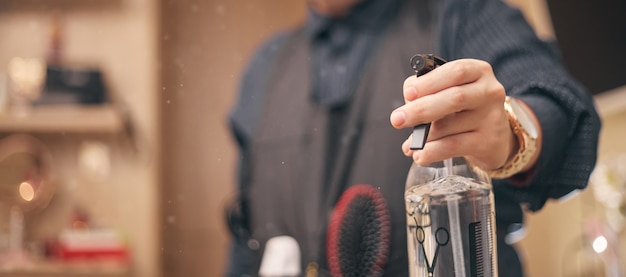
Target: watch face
{"x": 523, "y": 118}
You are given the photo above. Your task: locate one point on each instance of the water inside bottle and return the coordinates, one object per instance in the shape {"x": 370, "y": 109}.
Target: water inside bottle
{"x": 451, "y": 228}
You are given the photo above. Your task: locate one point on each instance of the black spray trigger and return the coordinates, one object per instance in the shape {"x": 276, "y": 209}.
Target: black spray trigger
{"x": 420, "y": 134}
{"x": 422, "y": 64}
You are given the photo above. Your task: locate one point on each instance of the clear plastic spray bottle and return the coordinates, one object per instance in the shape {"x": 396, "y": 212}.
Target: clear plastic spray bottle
{"x": 450, "y": 211}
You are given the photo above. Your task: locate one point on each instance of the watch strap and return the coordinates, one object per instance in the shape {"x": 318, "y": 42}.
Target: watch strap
{"x": 525, "y": 152}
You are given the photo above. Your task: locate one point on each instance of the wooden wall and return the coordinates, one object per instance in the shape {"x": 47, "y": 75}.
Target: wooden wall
{"x": 205, "y": 45}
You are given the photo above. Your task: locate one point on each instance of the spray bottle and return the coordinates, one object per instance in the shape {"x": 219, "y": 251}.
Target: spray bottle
{"x": 450, "y": 210}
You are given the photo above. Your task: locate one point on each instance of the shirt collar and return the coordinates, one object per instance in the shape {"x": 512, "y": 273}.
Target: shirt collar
{"x": 369, "y": 15}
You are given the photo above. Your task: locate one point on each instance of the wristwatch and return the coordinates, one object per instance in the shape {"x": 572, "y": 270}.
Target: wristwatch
{"x": 526, "y": 132}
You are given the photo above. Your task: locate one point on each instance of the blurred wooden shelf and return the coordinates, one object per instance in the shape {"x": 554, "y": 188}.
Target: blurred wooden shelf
{"x": 611, "y": 102}
{"x": 63, "y": 119}
{"x": 74, "y": 269}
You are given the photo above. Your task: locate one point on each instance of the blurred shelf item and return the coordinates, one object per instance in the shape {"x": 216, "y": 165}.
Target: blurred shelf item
{"x": 64, "y": 119}
{"x": 611, "y": 102}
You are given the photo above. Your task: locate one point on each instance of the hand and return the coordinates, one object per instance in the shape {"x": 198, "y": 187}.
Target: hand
{"x": 464, "y": 101}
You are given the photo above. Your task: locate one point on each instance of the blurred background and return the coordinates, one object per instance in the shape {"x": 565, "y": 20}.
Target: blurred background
{"x": 116, "y": 160}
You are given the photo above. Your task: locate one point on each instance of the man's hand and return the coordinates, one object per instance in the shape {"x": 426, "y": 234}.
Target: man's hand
{"x": 464, "y": 101}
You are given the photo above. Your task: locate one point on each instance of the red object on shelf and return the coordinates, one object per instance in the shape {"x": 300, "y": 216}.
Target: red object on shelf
{"x": 90, "y": 245}
{"x": 68, "y": 254}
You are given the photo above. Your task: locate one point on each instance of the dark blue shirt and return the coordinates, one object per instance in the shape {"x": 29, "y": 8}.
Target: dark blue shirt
{"x": 340, "y": 48}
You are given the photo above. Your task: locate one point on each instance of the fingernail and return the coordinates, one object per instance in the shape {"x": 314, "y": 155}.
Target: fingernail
{"x": 416, "y": 156}
{"x": 397, "y": 118}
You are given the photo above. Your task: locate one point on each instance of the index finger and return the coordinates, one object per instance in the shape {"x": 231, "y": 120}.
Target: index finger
{"x": 454, "y": 73}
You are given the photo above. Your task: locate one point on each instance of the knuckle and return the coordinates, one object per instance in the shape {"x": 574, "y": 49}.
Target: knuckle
{"x": 457, "y": 97}
{"x": 457, "y": 72}
{"x": 451, "y": 146}
{"x": 497, "y": 91}
{"x": 484, "y": 66}
{"x": 417, "y": 111}
{"x": 407, "y": 83}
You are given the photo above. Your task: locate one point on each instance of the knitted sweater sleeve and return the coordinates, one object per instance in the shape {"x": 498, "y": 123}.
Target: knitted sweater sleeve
{"x": 530, "y": 69}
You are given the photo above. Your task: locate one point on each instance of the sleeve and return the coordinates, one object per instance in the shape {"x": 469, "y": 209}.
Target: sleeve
{"x": 531, "y": 70}
{"x": 243, "y": 121}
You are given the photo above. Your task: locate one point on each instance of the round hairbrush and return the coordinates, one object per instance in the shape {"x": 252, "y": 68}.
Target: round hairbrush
{"x": 359, "y": 233}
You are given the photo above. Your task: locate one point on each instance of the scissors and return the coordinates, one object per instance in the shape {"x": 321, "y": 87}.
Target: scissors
{"x": 442, "y": 238}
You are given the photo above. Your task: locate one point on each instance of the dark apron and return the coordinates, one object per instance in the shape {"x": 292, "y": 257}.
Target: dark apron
{"x": 289, "y": 193}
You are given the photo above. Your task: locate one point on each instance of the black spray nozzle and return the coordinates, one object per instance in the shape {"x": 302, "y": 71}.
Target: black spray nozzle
{"x": 422, "y": 64}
